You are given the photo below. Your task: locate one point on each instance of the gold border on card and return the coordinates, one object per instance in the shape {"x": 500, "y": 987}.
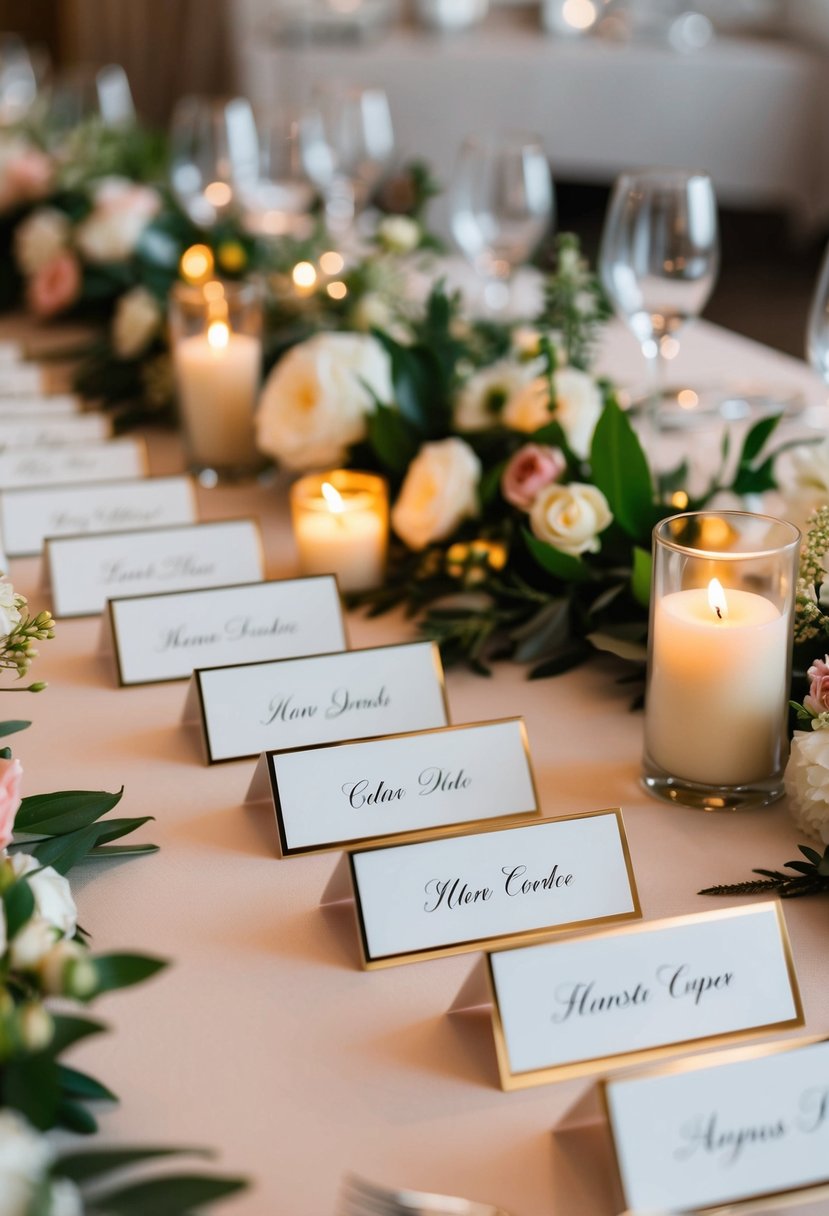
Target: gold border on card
{"x": 736, "y": 1055}
{"x": 141, "y": 451}
{"x": 98, "y": 484}
{"x": 511, "y": 1081}
{"x": 97, "y": 536}
{"x": 264, "y": 582}
{"x": 199, "y": 671}
{"x": 783, "y": 1201}
{"x": 407, "y": 835}
{"x": 524, "y": 937}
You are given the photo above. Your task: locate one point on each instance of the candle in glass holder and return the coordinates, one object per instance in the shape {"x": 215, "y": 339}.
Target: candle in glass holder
{"x": 217, "y": 359}
{"x": 341, "y": 526}
{"x": 719, "y": 660}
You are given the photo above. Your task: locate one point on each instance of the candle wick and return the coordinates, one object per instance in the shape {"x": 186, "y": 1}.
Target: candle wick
{"x": 719, "y": 614}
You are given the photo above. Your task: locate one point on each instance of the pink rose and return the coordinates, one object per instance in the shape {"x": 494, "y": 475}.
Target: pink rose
{"x": 817, "y": 702}
{"x": 530, "y": 471}
{"x": 55, "y": 286}
{"x": 29, "y": 175}
{"x": 11, "y": 780}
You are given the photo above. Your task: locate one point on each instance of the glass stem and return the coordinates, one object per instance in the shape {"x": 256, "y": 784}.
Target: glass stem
{"x": 655, "y": 387}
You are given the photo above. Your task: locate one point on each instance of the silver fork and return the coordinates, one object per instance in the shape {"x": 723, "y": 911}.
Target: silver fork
{"x": 359, "y": 1197}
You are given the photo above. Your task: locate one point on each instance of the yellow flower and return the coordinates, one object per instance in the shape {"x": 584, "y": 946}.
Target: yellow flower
{"x": 470, "y": 561}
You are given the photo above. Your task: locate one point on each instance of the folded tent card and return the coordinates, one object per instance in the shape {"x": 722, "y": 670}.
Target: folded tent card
{"x": 29, "y": 516}
{"x": 17, "y": 377}
{"x": 630, "y": 995}
{"x": 76, "y": 463}
{"x": 49, "y": 431}
{"x": 60, "y": 405}
{"x": 83, "y": 572}
{"x": 486, "y": 887}
{"x": 246, "y": 709}
{"x": 166, "y": 636}
{"x": 402, "y": 786}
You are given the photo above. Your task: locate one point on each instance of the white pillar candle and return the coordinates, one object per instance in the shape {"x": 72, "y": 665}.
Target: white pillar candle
{"x": 717, "y": 691}
{"x": 217, "y": 377}
{"x": 342, "y": 531}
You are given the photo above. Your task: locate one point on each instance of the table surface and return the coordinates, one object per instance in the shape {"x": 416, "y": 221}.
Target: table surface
{"x": 265, "y": 1039}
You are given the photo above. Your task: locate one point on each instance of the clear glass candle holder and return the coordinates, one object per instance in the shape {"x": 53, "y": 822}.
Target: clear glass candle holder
{"x": 719, "y": 659}
{"x": 216, "y": 340}
{"x": 341, "y": 526}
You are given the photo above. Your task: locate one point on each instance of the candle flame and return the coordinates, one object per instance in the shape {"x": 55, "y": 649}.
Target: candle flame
{"x": 218, "y": 335}
{"x": 717, "y": 600}
{"x": 333, "y": 497}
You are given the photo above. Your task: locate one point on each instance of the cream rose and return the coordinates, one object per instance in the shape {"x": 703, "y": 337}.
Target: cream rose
{"x": 577, "y": 407}
{"x": 315, "y": 402}
{"x": 807, "y": 782}
{"x": 570, "y": 518}
{"x": 120, "y": 213}
{"x": 53, "y": 897}
{"x": 803, "y": 475}
{"x": 38, "y": 239}
{"x": 136, "y": 322}
{"x": 483, "y": 396}
{"x": 9, "y": 607}
{"x": 440, "y": 490}
{"x": 399, "y": 233}
{"x": 25, "y": 1158}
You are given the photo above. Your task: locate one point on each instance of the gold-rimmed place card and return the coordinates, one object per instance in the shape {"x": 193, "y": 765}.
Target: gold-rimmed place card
{"x": 54, "y": 432}
{"x": 59, "y": 405}
{"x": 166, "y": 636}
{"x": 405, "y": 786}
{"x": 249, "y": 708}
{"x": 83, "y": 572}
{"x": 745, "y": 1124}
{"x": 29, "y": 516}
{"x": 626, "y": 996}
{"x": 487, "y": 887}
{"x": 76, "y": 463}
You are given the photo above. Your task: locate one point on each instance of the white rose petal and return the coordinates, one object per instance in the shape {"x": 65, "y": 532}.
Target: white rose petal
{"x": 9, "y": 611}
{"x": 807, "y": 782}
{"x": 39, "y": 238}
{"x": 484, "y": 395}
{"x": 578, "y": 408}
{"x": 136, "y": 322}
{"x": 439, "y": 491}
{"x": 315, "y": 402}
{"x": 803, "y": 474}
{"x": 121, "y": 211}
{"x": 371, "y": 312}
{"x": 570, "y": 518}
{"x": 31, "y": 944}
{"x": 53, "y": 897}
{"x": 399, "y": 233}
{"x": 65, "y": 1199}
{"x": 25, "y": 1158}
{"x": 529, "y": 408}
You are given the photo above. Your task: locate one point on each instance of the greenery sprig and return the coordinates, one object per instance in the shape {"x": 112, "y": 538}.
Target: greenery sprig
{"x": 809, "y": 877}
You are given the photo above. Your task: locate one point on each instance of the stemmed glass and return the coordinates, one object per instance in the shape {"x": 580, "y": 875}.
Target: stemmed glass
{"x": 18, "y": 80}
{"x": 214, "y": 154}
{"x": 817, "y": 329}
{"x": 346, "y": 142}
{"x": 279, "y": 202}
{"x": 659, "y": 259}
{"x": 501, "y": 205}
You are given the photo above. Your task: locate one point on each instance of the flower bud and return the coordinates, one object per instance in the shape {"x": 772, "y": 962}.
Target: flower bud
{"x": 36, "y": 1026}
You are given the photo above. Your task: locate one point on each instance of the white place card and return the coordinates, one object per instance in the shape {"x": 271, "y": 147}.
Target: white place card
{"x": 10, "y": 352}
{"x": 487, "y": 887}
{"x": 85, "y": 571}
{"x": 121, "y": 459}
{"x": 165, "y": 637}
{"x": 17, "y": 377}
{"x": 564, "y": 1009}
{"x": 53, "y": 432}
{"x": 28, "y": 516}
{"x": 59, "y": 405}
{"x": 406, "y": 785}
{"x": 256, "y": 707}
{"x": 712, "y": 1130}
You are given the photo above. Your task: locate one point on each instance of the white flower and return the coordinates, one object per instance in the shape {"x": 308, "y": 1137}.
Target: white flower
{"x": 53, "y": 965}
{"x": 399, "y": 233}
{"x": 39, "y": 238}
{"x": 483, "y": 396}
{"x": 807, "y": 782}
{"x": 526, "y": 342}
{"x": 315, "y": 401}
{"x": 440, "y": 490}
{"x": 65, "y": 1199}
{"x": 136, "y": 322}
{"x": 9, "y": 611}
{"x": 25, "y": 1158}
{"x": 31, "y": 944}
{"x": 121, "y": 211}
{"x": 804, "y": 480}
{"x": 577, "y": 407}
{"x": 371, "y": 312}
{"x": 36, "y": 1026}
{"x": 570, "y": 518}
{"x": 53, "y": 897}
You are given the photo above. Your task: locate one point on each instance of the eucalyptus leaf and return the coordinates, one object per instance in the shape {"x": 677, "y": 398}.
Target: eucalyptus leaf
{"x": 12, "y": 727}
{"x": 548, "y": 629}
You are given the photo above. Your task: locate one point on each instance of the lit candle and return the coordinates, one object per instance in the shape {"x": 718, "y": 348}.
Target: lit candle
{"x": 717, "y": 691}
{"x": 341, "y": 527}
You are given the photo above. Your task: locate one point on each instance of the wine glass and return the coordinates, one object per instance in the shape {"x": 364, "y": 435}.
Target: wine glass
{"x": 501, "y": 205}
{"x": 658, "y": 262}
{"x": 214, "y": 154}
{"x": 85, "y": 91}
{"x": 346, "y": 142}
{"x": 279, "y": 202}
{"x": 18, "y": 80}
{"x": 817, "y": 328}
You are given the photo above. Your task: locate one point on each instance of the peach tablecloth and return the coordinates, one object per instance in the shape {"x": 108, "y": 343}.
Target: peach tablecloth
{"x": 265, "y": 1039}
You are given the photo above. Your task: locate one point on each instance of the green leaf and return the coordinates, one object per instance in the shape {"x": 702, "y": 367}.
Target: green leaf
{"x": 121, "y": 850}
{"x": 571, "y": 657}
{"x": 12, "y": 727}
{"x": 76, "y": 1084}
{"x": 562, "y": 565}
{"x": 629, "y": 649}
{"x": 811, "y": 854}
{"x": 75, "y": 1118}
{"x": 171, "y": 1195}
{"x": 394, "y": 441}
{"x": 419, "y": 391}
{"x": 114, "y": 829}
{"x": 64, "y": 810}
{"x": 71, "y": 1029}
{"x": 123, "y": 970}
{"x": 85, "y": 1166}
{"x": 621, "y": 472}
{"x": 29, "y": 1084}
{"x": 757, "y": 437}
{"x": 64, "y": 852}
{"x": 19, "y": 905}
{"x": 640, "y": 582}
